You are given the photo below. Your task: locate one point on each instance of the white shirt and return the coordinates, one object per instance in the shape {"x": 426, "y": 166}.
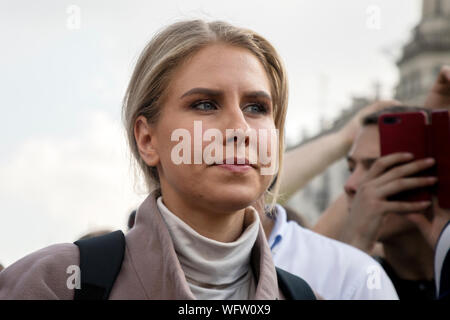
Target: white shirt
{"x": 214, "y": 270}
{"x": 442, "y": 249}
{"x": 333, "y": 269}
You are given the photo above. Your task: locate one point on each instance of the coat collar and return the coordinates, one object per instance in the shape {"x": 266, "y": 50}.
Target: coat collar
{"x": 155, "y": 261}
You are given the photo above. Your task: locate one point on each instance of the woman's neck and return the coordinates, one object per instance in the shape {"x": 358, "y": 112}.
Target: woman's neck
{"x": 213, "y": 269}
{"x": 213, "y": 224}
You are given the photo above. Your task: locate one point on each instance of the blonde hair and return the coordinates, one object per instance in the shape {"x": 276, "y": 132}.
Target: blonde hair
{"x": 172, "y": 46}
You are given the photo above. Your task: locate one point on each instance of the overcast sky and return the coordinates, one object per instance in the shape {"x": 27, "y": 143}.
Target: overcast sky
{"x": 64, "y": 166}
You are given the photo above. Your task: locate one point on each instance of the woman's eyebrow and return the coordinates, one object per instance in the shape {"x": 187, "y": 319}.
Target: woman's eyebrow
{"x": 218, "y": 93}
{"x": 258, "y": 94}
{"x": 205, "y": 91}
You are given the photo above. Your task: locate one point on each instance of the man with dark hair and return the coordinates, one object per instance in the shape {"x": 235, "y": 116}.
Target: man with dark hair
{"x": 334, "y": 269}
{"x": 408, "y": 237}
{"x": 408, "y": 257}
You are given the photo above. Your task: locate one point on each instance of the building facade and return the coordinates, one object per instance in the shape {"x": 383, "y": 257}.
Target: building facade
{"x": 425, "y": 53}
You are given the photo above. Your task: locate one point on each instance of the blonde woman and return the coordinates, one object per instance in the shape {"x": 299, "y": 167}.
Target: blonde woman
{"x": 196, "y": 235}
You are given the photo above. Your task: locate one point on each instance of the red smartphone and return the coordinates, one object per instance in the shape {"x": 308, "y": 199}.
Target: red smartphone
{"x": 407, "y": 132}
{"x": 441, "y": 151}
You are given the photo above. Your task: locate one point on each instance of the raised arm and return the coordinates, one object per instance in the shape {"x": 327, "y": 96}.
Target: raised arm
{"x": 332, "y": 221}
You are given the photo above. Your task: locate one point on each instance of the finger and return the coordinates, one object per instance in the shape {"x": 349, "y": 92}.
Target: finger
{"x": 385, "y": 162}
{"x": 442, "y": 84}
{"x": 404, "y": 184}
{"x": 405, "y": 170}
{"x": 444, "y": 75}
{"x": 405, "y": 207}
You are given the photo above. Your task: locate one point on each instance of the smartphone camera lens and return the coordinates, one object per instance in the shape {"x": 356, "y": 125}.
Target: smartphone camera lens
{"x": 390, "y": 120}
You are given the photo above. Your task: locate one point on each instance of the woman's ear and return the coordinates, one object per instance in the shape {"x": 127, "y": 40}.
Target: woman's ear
{"x": 146, "y": 141}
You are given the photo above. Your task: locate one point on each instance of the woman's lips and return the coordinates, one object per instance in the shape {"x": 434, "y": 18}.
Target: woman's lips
{"x": 236, "y": 164}
{"x": 235, "y": 167}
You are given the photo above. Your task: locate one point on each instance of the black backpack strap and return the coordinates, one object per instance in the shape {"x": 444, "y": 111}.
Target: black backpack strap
{"x": 293, "y": 287}
{"x": 100, "y": 262}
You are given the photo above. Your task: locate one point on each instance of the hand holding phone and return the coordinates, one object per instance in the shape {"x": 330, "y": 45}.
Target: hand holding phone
{"x": 424, "y": 137}
{"x": 406, "y": 132}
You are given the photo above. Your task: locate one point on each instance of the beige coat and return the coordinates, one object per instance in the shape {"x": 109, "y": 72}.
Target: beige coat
{"x": 150, "y": 268}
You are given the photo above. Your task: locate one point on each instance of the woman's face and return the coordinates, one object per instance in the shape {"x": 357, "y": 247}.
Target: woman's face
{"x": 224, "y": 87}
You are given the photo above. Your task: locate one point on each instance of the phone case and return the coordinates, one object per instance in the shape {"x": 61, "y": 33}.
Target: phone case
{"x": 441, "y": 152}
{"x": 406, "y": 132}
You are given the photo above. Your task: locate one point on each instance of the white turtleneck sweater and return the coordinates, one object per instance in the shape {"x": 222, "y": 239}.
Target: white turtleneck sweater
{"x": 213, "y": 269}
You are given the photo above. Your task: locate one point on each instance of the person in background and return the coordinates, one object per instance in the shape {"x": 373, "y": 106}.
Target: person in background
{"x": 437, "y": 233}
{"x": 408, "y": 258}
{"x": 317, "y": 155}
{"x": 334, "y": 269}
{"x": 338, "y": 223}
{"x": 332, "y": 220}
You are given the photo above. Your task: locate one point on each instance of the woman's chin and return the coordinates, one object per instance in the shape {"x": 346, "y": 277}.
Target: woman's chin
{"x": 233, "y": 198}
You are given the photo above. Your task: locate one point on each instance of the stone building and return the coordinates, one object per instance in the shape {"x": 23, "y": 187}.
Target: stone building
{"x": 425, "y": 53}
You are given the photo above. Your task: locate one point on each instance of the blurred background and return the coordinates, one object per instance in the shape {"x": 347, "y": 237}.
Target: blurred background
{"x": 64, "y": 163}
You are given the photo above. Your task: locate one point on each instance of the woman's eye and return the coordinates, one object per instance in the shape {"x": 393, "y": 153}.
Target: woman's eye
{"x": 256, "y": 108}
{"x": 204, "y": 106}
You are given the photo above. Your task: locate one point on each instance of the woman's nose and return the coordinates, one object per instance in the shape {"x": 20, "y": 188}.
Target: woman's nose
{"x": 236, "y": 126}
